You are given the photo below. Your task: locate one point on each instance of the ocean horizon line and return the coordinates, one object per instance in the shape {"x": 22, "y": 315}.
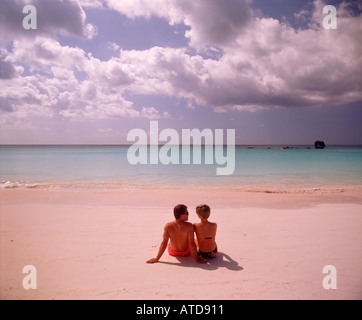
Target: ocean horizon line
{"x": 148, "y": 145}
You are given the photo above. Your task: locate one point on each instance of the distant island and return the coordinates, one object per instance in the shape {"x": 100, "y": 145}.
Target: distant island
{"x": 319, "y": 145}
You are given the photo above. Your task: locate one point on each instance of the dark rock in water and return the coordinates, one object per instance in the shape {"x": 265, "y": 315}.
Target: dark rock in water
{"x": 319, "y": 145}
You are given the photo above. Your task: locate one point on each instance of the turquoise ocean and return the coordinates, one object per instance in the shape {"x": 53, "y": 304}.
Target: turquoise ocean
{"x": 259, "y": 169}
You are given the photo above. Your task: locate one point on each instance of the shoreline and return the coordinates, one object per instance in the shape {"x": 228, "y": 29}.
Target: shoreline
{"x": 117, "y": 186}
{"x": 168, "y": 197}
{"x": 94, "y": 245}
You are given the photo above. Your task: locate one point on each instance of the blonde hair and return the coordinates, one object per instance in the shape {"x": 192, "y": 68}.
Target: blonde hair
{"x": 203, "y": 210}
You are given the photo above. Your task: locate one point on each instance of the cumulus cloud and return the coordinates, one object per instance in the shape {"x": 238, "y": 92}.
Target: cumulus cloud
{"x": 141, "y": 8}
{"x": 268, "y": 64}
{"x": 44, "y": 53}
{"x": 262, "y": 63}
{"x": 92, "y": 3}
{"x": 163, "y": 71}
{"x": 53, "y": 16}
{"x": 7, "y": 69}
{"x": 63, "y": 98}
{"x": 212, "y": 22}
{"x": 5, "y": 105}
{"x": 152, "y": 113}
{"x": 54, "y": 90}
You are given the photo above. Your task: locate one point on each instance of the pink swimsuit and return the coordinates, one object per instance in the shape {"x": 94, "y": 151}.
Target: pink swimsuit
{"x": 177, "y": 253}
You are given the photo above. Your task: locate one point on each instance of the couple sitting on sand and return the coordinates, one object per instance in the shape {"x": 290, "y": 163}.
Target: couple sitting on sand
{"x": 181, "y": 234}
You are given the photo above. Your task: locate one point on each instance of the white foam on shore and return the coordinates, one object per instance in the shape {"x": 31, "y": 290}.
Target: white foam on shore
{"x": 18, "y": 185}
{"x": 117, "y": 185}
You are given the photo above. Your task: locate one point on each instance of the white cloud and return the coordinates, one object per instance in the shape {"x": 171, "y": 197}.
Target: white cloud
{"x": 213, "y": 22}
{"x": 92, "y": 3}
{"x": 53, "y": 16}
{"x": 113, "y": 46}
{"x": 7, "y": 69}
{"x": 164, "y": 71}
{"x": 144, "y": 8}
{"x": 90, "y": 31}
{"x": 54, "y": 90}
{"x": 264, "y": 63}
{"x": 44, "y": 53}
{"x": 152, "y": 113}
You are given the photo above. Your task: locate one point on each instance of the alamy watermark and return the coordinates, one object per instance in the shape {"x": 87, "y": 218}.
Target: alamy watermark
{"x": 330, "y": 280}
{"x": 31, "y": 20}
{"x": 30, "y": 280}
{"x": 330, "y": 20}
{"x": 169, "y": 153}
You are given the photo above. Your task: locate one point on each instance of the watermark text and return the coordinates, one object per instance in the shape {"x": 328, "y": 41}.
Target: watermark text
{"x": 170, "y": 152}
{"x": 30, "y": 280}
{"x": 330, "y": 280}
{"x": 31, "y": 20}
{"x": 330, "y": 20}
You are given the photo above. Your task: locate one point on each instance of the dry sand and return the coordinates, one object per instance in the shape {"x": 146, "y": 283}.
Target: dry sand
{"x": 94, "y": 245}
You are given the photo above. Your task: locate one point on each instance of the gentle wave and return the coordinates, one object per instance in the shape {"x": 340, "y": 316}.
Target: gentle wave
{"x": 20, "y": 185}
{"x": 121, "y": 187}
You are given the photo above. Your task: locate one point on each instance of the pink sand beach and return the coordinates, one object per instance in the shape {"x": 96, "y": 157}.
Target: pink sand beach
{"x": 94, "y": 245}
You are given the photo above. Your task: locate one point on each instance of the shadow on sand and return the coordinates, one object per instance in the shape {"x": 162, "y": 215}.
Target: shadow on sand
{"x": 221, "y": 261}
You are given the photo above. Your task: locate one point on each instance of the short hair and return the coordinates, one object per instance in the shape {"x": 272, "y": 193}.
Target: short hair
{"x": 179, "y": 210}
{"x": 203, "y": 210}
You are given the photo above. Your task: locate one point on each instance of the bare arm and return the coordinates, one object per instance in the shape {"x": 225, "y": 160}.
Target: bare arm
{"x": 163, "y": 247}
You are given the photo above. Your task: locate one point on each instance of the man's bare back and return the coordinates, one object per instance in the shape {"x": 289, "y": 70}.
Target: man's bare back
{"x": 179, "y": 233}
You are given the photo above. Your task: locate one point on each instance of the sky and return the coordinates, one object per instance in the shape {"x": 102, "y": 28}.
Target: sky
{"x": 93, "y": 70}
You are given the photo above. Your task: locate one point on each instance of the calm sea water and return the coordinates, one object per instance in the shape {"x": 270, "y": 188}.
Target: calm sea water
{"x": 106, "y": 167}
